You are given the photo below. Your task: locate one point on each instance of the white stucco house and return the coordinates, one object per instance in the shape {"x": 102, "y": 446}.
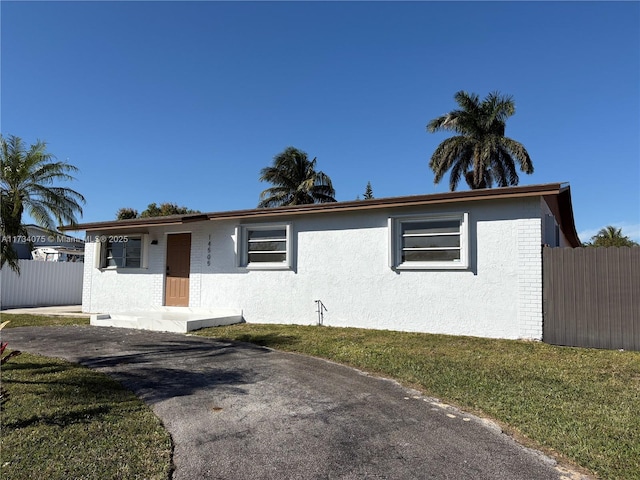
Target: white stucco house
{"x": 466, "y": 263}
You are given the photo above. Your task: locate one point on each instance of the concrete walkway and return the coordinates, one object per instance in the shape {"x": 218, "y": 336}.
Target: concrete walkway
{"x": 57, "y": 310}
{"x": 238, "y": 411}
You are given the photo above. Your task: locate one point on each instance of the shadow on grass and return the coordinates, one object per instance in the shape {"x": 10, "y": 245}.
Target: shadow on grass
{"x": 271, "y": 340}
{"x": 85, "y": 415}
{"x": 37, "y": 367}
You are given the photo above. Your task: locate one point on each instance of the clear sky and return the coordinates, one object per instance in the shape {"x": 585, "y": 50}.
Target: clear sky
{"x": 185, "y": 102}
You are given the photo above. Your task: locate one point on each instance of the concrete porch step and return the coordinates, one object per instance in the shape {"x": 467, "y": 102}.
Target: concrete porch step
{"x": 169, "y": 319}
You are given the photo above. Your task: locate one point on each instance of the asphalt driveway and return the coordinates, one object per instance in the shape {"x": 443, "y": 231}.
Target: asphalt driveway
{"x": 238, "y": 411}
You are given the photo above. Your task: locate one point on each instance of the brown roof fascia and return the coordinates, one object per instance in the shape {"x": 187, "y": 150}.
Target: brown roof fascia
{"x": 138, "y": 222}
{"x": 373, "y": 204}
{"x": 408, "y": 201}
{"x": 562, "y": 209}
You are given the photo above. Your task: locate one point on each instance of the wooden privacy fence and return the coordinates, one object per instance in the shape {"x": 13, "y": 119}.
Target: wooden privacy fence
{"x": 41, "y": 284}
{"x": 591, "y": 297}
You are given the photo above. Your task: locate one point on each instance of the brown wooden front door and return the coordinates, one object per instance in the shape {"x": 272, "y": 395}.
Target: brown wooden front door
{"x": 178, "y": 266}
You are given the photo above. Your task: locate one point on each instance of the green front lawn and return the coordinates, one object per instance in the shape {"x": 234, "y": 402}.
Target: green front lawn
{"x": 65, "y": 421}
{"x": 579, "y": 404}
{"x": 26, "y": 320}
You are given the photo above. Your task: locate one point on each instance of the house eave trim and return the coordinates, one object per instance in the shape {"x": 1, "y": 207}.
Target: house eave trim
{"x": 392, "y": 202}
{"x": 319, "y": 208}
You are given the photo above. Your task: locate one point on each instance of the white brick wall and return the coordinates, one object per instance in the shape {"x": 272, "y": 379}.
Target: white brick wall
{"x": 89, "y": 260}
{"x": 156, "y": 264}
{"x": 198, "y": 254}
{"x": 530, "y": 277}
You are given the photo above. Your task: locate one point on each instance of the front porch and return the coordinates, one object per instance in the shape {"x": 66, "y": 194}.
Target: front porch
{"x": 169, "y": 319}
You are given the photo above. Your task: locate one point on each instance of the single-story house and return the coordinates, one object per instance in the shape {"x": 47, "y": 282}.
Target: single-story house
{"x": 465, "y": 263}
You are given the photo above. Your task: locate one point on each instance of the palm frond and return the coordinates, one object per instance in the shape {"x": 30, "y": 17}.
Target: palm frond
{"x": 295, "y": 180}
{"x": 448, "y": 153}
{"x": 480, "y": 151}
{"x": 9, "y": 256}
{"x": 468, "y": 102}
{"x": 29, "y": 177}
{"x": 517, "y": 150}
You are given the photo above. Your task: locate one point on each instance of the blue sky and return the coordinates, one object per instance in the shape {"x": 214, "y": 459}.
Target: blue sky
{"x": 185, "y": 102}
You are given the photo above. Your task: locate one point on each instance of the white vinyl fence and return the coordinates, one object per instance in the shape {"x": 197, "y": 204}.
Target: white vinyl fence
{"x": 41, "y": 284}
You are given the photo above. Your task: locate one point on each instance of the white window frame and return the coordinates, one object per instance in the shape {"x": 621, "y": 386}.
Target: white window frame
{"x": 396, "y": 243}
{"x": 242, "y": 249}
{"x": 102, "y": 246}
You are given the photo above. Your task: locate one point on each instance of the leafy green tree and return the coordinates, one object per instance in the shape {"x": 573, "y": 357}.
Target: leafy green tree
{"x": 165, "y": 209}
{"x": 295, "y": 180}
{"x": 368, "y": 193}
{"x": 154, "y": 210}
{"x": 480, "y": 151}
{"x": 27, "y": 184}
{"x": 610, "y": 236}
{"x": 127, "y": 213}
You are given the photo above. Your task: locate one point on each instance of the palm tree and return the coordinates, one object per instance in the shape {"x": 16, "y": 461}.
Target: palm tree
{"x": 610, "y": 232}
{"x": 610, "y": 236}
{"x": 480, "y": 151}
{"x": 295, "y": 180}
{"x": 27, "y": 179}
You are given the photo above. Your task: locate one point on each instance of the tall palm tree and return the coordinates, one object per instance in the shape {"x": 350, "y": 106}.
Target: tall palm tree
{"x": 295, "y": 180}
{"x": 480, "y": 151}
{"x": 27, "y": 177}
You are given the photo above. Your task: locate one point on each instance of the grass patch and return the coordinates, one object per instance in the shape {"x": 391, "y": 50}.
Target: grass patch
{"x": 580, "y": 404}
{"x": 26, "y": 320}
{"x": 66, "y": 421}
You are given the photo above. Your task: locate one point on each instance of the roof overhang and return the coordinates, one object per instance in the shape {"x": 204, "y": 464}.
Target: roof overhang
{"x": 138, "y": 223}
{"x": 392, "y": 202}
{"x": 562, "y": 209}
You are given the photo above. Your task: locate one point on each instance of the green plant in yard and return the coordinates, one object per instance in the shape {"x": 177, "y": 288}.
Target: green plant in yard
{"x": 73, "y": 422}
{"x": 4, "y": 395}
{"x": 575, "y": 403}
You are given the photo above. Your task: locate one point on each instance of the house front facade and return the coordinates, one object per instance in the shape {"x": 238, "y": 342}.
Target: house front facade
{"x": 463, "y": 263}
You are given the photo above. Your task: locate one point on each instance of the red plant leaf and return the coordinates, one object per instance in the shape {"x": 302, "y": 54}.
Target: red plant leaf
{"x": 15, "y": 353}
